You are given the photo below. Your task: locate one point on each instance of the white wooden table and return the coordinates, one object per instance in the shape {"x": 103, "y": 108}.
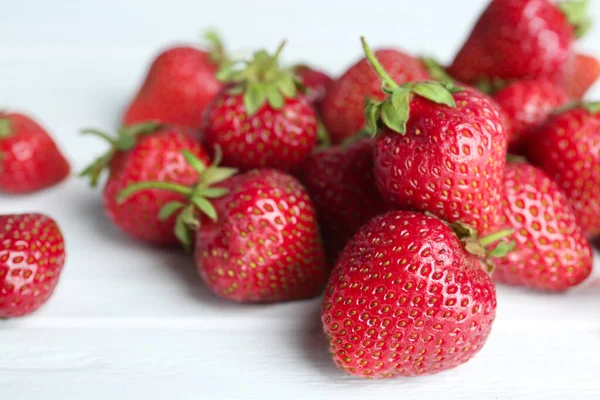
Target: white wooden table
{"x": 130, "y": 322}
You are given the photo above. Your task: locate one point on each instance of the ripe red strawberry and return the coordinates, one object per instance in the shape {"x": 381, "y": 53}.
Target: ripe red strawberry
{"x": 565, "y": 147}
{"x": 343, "y": 107}
{"x": 261, "y": 120}
{"x": 179, "y": 85}
{"x": 439, "y": 151}
{"x": 317, "y": 82}
{"x": 29, "y": 158}
{"x": 341, "y": 184}
{"x": 518, "y": 39}
{"x": 256, "y": 234}
{"x": 582, "y": 72}
{"x": 527, "y": 104}
{"x": 139, "y": 153}
{"x": 407, "y": 298}
{"x": 31, "y": 260}
{"x": 551, "y": 251}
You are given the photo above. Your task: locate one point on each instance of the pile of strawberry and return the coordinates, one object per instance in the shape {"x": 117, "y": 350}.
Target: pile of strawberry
{"x": 402, "y": 189}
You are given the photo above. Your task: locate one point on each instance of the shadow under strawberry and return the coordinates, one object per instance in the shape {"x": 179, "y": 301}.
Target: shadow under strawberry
{"x": 312, "y": 344}
{"x": 181, "y": 266}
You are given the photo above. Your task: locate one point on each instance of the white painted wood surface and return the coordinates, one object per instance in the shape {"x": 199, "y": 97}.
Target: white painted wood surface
{"x": 130, "y": 322}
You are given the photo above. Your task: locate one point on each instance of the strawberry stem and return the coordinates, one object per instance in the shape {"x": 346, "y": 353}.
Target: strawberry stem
{"x": 494, "y": 237}
{"x": 376, "y": 65}
{"x": 103, "y": 135}
{"x": 278, "y": 51}
{"x": 136, "y": 187}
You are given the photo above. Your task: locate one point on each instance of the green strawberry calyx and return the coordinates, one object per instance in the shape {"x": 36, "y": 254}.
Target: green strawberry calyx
{"x": 593, "y": 107}
{"x": 364, "y": 133}
{"x": 487, "y": 247}
{"x": 491, "y": 85}
{"x": 576, "y": 12}
{"x": 435, "y": 70}
{"x": 261, "y": 80}
{"x": 394, "y": 111}
{"x": 216, "y": 48}
{"x": 198, "y": 197}
{"x": 5, "y": 128}
{"x": 125, "y": 140}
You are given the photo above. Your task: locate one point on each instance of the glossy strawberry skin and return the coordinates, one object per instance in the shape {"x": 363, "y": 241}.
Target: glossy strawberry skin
{"x": 510, "y": 40}
{"x": 551, "y": 251}
{"x": 450, "y": 162}
{"x": 582, "y": 72}
{"x": 406, "y": 299}
{"x": 155, "y": 157}
{"x": 271, "y": 138}
{"x": 179, "y": 85}
{"x": 29, "y": 158}
{"x": 31, "y": 261}
{"x": 266, "y": 245}
{"x": 527, "y": 104}
{"x": 317, "y": 82}
{"x": 343, "y": 107}
{"x": 341, "y": 184}
{"x": 565, "y": 147}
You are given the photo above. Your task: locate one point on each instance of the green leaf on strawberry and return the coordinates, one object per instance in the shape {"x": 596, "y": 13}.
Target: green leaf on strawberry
{"x": 125, "y": 140}
{"x": 198, "y": 196}
{"x": 576, "y": 12}
{"x": 5, "y": 128}
{"x": 261, "y": 80}
{"x": 394, "y": 111}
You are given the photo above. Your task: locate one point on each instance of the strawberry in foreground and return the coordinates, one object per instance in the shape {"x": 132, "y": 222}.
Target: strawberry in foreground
{"x": 551, "y": 251}
{"x": 566, "y": 148}
{"x": 142, "y": 152}
{"x": 343, "y": 107}
{"x": 341, "y": 184}
{"x": 526, "y": 105}
{"x": 256, "y": 234}
{"x": 179, "y": 84}
{"x": 439, "y": 149}
{"x": 511, "y": 40}
{"x": 31, "y": 260}
{"x": 581, "y": 74}
{"x": 29, "y": 158}
{"x": 317, "y": 82}
{"x": 262, "y": 119}
{"x": 409, "y": 296}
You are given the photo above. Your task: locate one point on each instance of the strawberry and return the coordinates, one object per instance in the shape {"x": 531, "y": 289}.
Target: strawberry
{"x": 31, "y": 260}
{"x": 341, "y": 184}
{"x": 178, "y": 86}
{"x": 316, "y": 81}
{"x": 519, "y": 39}
{"x": 261, "y": 120}
{"x": 439, "y": 149}
{"x": 343, "y": 107}
{"x": 256, "y": 233}
{"x": 551, "y": 251}
{"x": 565, "y": 147}
{"x": 407, "y": 298}
{"x": 581, "y": 74}
{"x": 527, "y": 104}
{"x": 29, "y": 158}
{"x": 143, "y": 152}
